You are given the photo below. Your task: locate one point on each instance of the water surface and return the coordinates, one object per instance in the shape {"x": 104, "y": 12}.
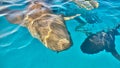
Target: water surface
{"x": 18, "y": 49}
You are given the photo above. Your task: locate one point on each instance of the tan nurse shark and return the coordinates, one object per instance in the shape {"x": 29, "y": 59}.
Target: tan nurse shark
{"x": 47, "y": 27}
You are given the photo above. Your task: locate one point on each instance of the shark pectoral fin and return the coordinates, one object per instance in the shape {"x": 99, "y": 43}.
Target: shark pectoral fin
{"x": 71, "y": 17}
{"x": 115, "y": 54}
{"x": 15, "y": 17}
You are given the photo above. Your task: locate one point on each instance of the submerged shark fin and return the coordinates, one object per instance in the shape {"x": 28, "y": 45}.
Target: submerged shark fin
{"x": 115, "y": 54}
{"x": 16, "y": 17}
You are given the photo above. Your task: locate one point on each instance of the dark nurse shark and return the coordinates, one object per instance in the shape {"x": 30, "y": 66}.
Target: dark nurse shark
{"x": 100, "y": 41}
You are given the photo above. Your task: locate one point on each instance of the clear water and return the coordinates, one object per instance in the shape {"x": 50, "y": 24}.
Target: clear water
{"x": 18, "y": 49}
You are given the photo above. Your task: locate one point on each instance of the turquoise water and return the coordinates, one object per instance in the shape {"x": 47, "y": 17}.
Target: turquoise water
{"x": 18, "y": 49}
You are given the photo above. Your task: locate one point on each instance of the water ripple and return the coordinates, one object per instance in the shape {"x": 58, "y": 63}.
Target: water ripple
{"x": 9, "y": 33}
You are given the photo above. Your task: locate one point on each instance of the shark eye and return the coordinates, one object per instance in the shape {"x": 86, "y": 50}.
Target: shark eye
{"x": 42, "y": 6}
